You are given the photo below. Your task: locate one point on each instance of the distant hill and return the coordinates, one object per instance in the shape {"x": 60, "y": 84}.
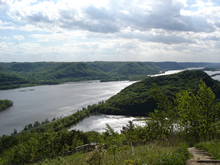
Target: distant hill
{"x": 8, "y": 81}
{"x": 137, "y": 68}
{"x": 17, "y": 74}
{"x": 137, "y": 98}
{"x": 169, "y": 65}
{"x": 197, "y": 64}
{"x": 39, "y": 73}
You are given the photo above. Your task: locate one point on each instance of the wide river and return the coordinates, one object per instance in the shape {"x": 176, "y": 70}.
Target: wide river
{"x": 46, "y": 102}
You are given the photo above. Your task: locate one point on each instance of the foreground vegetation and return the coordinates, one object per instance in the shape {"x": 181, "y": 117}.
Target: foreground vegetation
{"x": 4, "y": 104}
{"x": 153, "y": 154}
{"x": 191, "y": 117}
{"x": 212, "y": 147}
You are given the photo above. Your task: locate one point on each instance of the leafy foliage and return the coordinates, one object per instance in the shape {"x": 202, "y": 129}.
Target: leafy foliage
{"x": 212, "y": 147}
{"x": 96, "y": 155}
{"x": 4, "y": 104}
{"x": 8, "y": 80}
{"x": 198, "y": 112}
{"x": 46, "y": 144}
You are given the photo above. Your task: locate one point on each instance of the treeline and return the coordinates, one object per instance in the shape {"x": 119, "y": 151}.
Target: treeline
{"x": 137, "y": 99}
{"x": 57, "y": 124}
{"x": 4, "y": 104}
{"x": 29, "y": 146}
{"x": 43, "y": 139}
{"x": 14, "y": 75}
{"x": 9, "y": 81}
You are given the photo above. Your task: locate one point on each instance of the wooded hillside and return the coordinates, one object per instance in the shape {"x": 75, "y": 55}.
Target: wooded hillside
{"x": 13, "y": 75}
{"x": 137, "y": 98}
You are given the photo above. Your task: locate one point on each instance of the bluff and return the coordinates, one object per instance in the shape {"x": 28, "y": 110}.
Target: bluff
{"x": 137, "y": 98}
{"x": 15, "y": 74}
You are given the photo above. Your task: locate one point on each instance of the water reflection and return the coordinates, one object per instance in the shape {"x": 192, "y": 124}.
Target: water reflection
{"x": 98, "y": 123}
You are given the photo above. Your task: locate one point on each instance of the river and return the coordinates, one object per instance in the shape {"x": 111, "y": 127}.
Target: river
{"x": 216, "y": 77}
{"x": 46, "y": 102}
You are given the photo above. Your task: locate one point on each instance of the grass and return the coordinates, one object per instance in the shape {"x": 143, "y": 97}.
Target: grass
{"x": 153, "y": 154}
{"x": 212, "y": 147}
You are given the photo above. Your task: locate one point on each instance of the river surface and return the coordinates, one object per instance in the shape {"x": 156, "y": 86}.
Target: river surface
{"x": 215, "y": 77}
{"x": 46, "y": 102}
{"x": 98, "y": 123}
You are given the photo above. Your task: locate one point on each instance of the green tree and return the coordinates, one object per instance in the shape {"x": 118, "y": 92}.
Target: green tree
{"x": 15, "y": 131}
{"x": 37, "y": 123}
{"x": 197, "y": 112}
{"x": 164, "y": 116}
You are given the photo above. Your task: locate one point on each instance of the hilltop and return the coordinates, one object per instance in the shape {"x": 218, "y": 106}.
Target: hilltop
{"x": 137, "y": 98}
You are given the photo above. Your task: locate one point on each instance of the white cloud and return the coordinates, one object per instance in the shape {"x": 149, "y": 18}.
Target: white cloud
{"x": 18, "y": 37}
{"x": 3, "y": 45}
{"x": 109, "y": 17}
{"x": 111, "y": 29}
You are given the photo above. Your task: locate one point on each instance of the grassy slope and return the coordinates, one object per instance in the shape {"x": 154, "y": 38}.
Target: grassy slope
{"x": 212, "y": 147}
{"x": 144, "y": 154}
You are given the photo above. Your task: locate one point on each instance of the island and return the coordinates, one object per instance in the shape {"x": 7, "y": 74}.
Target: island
{"x": 4, "y": 104}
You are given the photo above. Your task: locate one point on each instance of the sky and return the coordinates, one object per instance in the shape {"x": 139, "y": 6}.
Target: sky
{"x": 109, "y": 30}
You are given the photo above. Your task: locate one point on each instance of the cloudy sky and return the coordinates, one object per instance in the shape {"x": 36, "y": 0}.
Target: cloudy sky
{"x": 110, "y": 30}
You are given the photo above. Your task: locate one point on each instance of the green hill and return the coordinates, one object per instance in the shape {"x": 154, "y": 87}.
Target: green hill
{"x": 127, "y": 68}
{"x": 198, "y": 64}
{"x": 8, "y": 81}
{"x": 137, "y": 68}
{"x": 77, "y": 70}
{"x": 168, "y": 65}
{"x": 138, "y": 100}
{"x": 39, "y": 73}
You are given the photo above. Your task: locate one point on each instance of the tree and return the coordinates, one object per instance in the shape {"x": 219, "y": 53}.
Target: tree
{"x": 37, "y": 123}
{"x": 15, "y": 131}
{"x": 197, "y": 112}
{"x": 164, "y": 116}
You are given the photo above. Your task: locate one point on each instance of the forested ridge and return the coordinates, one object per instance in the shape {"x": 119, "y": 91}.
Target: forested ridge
{"x": 137, "y": 99}
{"x": 14, "y": 75}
